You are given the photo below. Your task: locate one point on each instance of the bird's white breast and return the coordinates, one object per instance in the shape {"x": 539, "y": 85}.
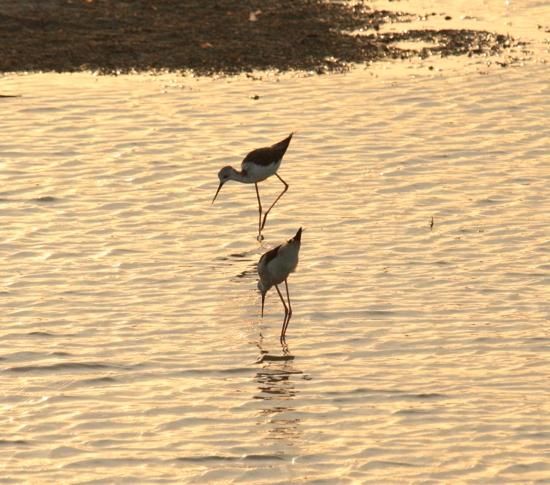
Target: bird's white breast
{"x": 257, "y": 173}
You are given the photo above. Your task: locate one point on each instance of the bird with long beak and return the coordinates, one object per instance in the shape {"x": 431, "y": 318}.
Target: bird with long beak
{"x": 257, "y": 166}
{"x": 274, "y": 267}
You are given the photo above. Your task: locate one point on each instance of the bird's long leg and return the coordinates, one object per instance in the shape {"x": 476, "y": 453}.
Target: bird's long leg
{"x": 284, "y": 345}
{"x": 260, "y": 225}
{"x": 281, "y": 194}
{"x": 286, "y": 314}
{"x": 289, "y": 311}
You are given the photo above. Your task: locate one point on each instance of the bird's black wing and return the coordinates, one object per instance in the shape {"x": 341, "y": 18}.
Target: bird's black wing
{"x": 271, "y": 254}
{"x": 268, "y": 155}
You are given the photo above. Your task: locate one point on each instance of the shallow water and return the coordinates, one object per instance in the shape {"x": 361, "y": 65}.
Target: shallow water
{"x": 132, "y": 345}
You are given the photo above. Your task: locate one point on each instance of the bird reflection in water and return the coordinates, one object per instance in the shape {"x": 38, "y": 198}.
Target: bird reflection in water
{"x": 277, "y": 387}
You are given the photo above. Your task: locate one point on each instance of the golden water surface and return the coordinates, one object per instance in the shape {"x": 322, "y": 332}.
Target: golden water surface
{"x": 132, "y": 348}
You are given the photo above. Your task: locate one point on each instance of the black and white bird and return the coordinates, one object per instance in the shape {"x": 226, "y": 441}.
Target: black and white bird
{"x": 274, "y": 267}
{"x": 257, "y": 166}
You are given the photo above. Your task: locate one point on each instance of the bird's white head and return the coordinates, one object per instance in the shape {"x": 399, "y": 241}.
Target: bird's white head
{"x": 224, "y": 175}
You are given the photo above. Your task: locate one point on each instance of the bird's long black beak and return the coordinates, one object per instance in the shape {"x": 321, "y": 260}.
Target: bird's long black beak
{"x": 263, "y": 300}
{"x": 217, "y": 192}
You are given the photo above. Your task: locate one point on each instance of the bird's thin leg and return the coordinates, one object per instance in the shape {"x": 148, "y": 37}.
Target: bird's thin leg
{"x": 285, "y": 346}
{"x": 289, "y": 309}
{"x": 286, "y": 313}
{"x": 260, "y": 225}
{"x": 281, "y": 194}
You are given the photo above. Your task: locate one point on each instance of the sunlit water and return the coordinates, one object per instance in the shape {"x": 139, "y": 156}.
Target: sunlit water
{"x": 132, "y": 348}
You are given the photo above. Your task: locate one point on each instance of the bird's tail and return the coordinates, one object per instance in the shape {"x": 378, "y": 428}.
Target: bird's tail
{"x": 283, "y": 145}
{"x": 298, "y": 237}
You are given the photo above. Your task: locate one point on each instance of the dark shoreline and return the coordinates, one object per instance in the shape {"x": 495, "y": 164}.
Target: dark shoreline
{"x": 214, "y": 37}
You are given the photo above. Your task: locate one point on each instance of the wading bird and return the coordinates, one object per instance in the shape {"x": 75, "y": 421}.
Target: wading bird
{"x": 274, "y": 268}
{"x": 257, "y": 166}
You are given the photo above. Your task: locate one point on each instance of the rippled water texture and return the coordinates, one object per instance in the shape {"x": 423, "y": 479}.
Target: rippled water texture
{"x": 132, "y": 348}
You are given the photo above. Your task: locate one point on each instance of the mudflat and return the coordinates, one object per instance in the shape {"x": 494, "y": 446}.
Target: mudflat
{"x": 210, "y": 37}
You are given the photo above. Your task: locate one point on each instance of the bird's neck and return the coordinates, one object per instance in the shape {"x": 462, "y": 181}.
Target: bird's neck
{"x": 239, "y": 176}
